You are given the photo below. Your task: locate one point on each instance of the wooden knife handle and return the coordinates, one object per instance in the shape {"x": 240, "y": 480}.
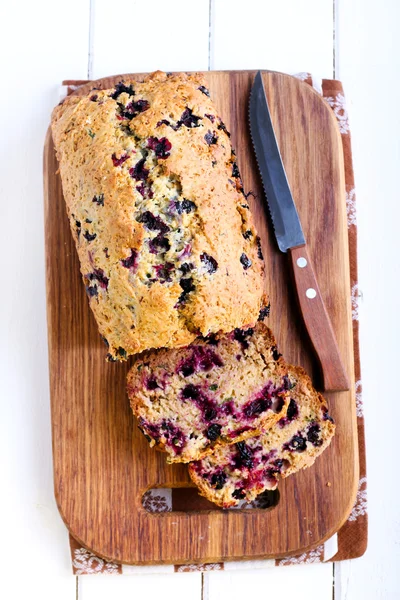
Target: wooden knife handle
{"x": 317, "y": 322}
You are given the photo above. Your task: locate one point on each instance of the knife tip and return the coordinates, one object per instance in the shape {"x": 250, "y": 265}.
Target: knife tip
{"x": 258, "y": 80}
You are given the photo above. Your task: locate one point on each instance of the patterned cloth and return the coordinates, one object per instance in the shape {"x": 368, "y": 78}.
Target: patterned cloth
{"x": 351, "y": 539}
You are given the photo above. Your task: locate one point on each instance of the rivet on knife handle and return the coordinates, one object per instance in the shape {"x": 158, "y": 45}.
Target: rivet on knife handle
{"x": 317, "y": 321}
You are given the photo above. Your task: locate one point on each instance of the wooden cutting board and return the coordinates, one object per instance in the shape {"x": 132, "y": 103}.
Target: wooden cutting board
{"x": 102, "y": 463}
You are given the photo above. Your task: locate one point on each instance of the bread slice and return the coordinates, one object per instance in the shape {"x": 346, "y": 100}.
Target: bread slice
{"x": 243, "y": 470}
{"x": 220, "y": 390}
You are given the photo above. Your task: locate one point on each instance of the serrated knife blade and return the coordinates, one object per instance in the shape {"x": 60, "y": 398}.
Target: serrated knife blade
{"x": 285, "y": 219}
{"x": 290, "y": 238}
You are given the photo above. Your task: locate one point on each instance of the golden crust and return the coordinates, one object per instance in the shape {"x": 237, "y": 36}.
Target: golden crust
{"x": 115, "y": 173}
{"x": 312, "y": 409}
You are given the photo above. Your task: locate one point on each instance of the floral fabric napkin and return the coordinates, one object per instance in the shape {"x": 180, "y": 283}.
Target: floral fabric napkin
{"x": 351, "y": 540}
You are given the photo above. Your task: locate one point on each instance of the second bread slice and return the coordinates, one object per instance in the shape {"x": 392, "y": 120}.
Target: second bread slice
{"x": 244, "y": 470}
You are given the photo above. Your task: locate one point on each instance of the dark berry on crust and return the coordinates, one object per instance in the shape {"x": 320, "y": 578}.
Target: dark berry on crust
{"x": 139, "y": 172}
{"x": 159, "y": 244}
{"x": 121, "y": 88}
{"x": 218, "y": 480}
{"x": 211, "y": 117}
{"x": 201, "y": 359}
{"x": 242, "y": 335}
{"x": 298, "y": 444}
{"x": 185, "y": 205}
{"x": 275, "y": 354}
{"x": 244, "y": 456}
{"x": 245, "y": 261}
{"x": 101, "y": 278}
{"x": 209, "y": 262}
{"x": 204, "y": 90}
{"x": 186, "y": 268}
{"x": 117, "y": 162}
{"x": 151, "y": 383}
{"x": 144, "y": 190}
{"x": 256, "y": 407}
{"x": 206, "y": 405}
{"x": 239, "y": 494}
{"x": 259, "y": 249}
{"x": 141, "y": 105}
{"x": 105, "y": 341}
{"x": 175, "y": 437}
{"x": 287, "y": 384}
{"x": 279, "y": 404}
{"x": 222, "y": 127}
{"x": 89, "y": 236}
{"x": 186, "y": 370}
{"x": 313, "y": 435}
{"x": 96, "y": 277}
{"x": 148, "y": 438}
{"x": 209, "y": 412}
{"x": 188, "y": 286}
{"x": 326, "y": 415}
{"x": 163, "y": 122}
{"x": 133, "y": 109}
{"x": 92, "y": 290}
{"x": 211, "y": 137}
{"x": 247, "y": 234}
{"x": 122, "y": 352}
{"x": 78, "y": 228}
{"x": 152, "y": 222}
{"x": 191, "y": 391}
{"x": 211, "y": 339}
{"x": 131, "y": 261}
{"x": 188, "y": 119}
{"x": 292, "y": 411}
{"x": 161, "y": 146}
{"x": 264, "y": 312}
{"x": 164, "y": 271}
{"x": 213, "y": 432}
{"x": 99, "y": 199}
{"x": 235, "y": 170}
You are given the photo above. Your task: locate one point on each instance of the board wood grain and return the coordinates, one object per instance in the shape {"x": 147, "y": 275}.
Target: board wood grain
{"x": 102, "y": 463}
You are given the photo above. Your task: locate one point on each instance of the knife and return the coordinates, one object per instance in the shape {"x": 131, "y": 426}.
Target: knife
{"x": 290, "y": 238}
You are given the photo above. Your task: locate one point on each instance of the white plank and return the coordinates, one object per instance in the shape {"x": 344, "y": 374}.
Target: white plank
{"x": 41, "y": 43}
{"x": 292, "y": 37}
{"x": 177, "y": 586}
{"x": 368, "y": 62}
{"x": 299, "y": 582}
{"x": 140, "y": 36}
{"x": 289, "y": 36}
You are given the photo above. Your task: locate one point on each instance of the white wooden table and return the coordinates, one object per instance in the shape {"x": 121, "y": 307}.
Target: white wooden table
{"x": 45, "y": 41}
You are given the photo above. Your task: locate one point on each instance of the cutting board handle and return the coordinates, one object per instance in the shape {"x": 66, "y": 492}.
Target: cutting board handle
{"x": 317, "y": 322}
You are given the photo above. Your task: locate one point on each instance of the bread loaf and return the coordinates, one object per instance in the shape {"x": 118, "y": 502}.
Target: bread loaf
{"x": 161, "y": 223}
